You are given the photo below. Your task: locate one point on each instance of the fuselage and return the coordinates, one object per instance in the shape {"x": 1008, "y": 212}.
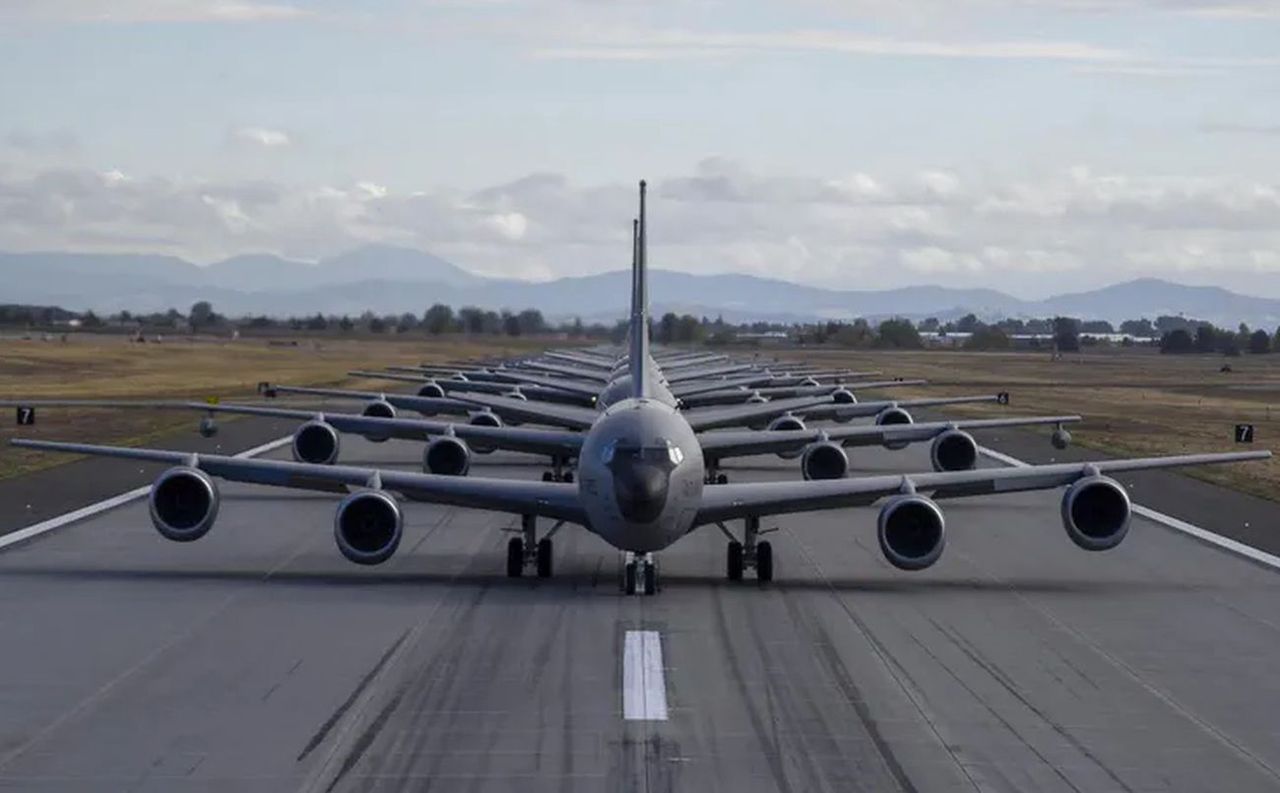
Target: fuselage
{"x": 640, "y": 475}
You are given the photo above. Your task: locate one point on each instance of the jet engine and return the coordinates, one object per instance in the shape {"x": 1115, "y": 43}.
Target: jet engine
{"x": 484, "y": 418}
{"x": 787, "y": 423}
{"x": 953, "y": 450}
{"x": 184, "y": 504}
{"x": 912, "y": 532}
{"x": 381, "y": 409}
{"x": 757, "y": 398}
{"x": 208, "y": 427}
{"x": 1096, "y": 512}
{"x": 810, "y": 382}
{"x": 368, "y": 526}
{"x": 432, "y": 390}
{"x": 891, "y": 416}
{"x": 316, "y": 442}
{"x": 825, "y": 460}
{"x": 843, "y": 396}
{"x": 447, "y": 456}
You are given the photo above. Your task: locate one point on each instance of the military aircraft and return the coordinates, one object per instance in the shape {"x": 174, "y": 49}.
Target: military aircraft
{"x": 641, "y": 487}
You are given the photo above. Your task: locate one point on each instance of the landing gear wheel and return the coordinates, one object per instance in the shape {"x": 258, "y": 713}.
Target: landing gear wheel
{"x": 568, "y": 477}
{"x": 722, "y": 479}
{"x": 515, "y": 557}
{"x": 764, "y": 562}
{"x": 733, "y": 566}
{"x": 547, "y": 476}
{"x": 544, "y": 559}
{"x": 651, "y": 578}
{"x": 629, "y": 578}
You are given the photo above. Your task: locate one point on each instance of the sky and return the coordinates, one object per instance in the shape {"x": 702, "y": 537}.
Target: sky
{"x": 1035, "y": 146}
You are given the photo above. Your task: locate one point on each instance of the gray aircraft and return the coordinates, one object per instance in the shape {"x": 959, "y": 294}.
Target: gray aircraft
{"x": 641, "y": 488}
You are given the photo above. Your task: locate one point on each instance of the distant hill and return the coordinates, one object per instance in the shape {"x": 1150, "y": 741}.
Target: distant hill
{"x": 390, "y": 279}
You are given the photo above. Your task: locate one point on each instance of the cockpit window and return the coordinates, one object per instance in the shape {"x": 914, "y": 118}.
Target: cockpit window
{"x": 663, "y": 453}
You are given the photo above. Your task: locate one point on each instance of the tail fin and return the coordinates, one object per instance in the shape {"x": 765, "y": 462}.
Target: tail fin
{"x": 639, "y": 350}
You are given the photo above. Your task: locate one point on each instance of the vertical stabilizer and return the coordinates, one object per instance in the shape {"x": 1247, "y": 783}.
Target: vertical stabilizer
{"x": 639, "y": 349}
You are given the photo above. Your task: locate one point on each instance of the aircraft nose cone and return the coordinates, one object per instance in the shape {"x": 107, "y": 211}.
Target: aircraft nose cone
{"x": 641, "y": 492}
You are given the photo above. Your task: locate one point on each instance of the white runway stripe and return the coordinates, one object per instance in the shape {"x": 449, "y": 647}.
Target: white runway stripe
{"x": 43, "y": 526}
{"x": 1225, "y": 543}
{"x": 644, "y": 687}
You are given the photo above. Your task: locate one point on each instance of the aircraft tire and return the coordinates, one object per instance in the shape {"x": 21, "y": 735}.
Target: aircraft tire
{"x": 515, "y": 557}
{"x": 544, "y": 559}
{"x": 733, "y": 561}
{"x": 764, "y": 562}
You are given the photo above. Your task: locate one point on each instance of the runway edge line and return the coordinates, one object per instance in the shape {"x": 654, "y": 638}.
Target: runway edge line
{"x": 1190, "y": 529}
{"x": 45, "y": 526}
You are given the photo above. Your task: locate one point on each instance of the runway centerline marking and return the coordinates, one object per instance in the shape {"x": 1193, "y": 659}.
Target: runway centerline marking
{"x": 44, "y": 526}
{"x": 1204, "y": 535}
{"x": 644, "y": 686}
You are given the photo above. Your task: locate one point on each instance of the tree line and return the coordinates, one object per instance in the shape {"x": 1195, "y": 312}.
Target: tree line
{"x": 1172, "y": 334}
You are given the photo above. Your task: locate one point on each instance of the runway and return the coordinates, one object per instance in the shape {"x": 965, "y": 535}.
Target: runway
{"x": 258, "y": 659}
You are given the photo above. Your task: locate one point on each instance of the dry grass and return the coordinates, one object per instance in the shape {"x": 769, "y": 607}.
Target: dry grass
{"x": 1133, "y": 402}
{"x": 108, "y": 367}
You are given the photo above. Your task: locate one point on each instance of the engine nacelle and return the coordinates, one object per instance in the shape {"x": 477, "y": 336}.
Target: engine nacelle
{"x": 368, "y": 526}
{"x": 843, "y": 396}
{"x": 787, "y": 423}
{"x": 1096, "y": 513}
{"x": 809, "y": 382}
{"x": 890, "y": 416}
{"x": 954, "y": 450}
{"x": 184, "y": 504}
{"x": 380, "y": 409}
{"x": 516, "y": 393}
{"x": 912, "y": 532}
{"x": 484, "y": 418}
{"x": 446, "y": 456}
{"x": 432, "y": 390}
{"x": 825, "y": 460}
{"x": 1060, "y": 438}
{"x": 316, "y": 442}
{"x": 757, "y": 398}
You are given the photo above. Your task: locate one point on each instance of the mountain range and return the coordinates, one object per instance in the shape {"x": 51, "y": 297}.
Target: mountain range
{"x": 395, "y": 280}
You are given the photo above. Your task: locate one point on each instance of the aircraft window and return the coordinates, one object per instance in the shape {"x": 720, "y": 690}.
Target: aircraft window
{"x": 667, "y": 454}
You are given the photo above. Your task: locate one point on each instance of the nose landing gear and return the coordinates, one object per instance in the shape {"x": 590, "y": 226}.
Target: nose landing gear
{"x": 640, "y": 574}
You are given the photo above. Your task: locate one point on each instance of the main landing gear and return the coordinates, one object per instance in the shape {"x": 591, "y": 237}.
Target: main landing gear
{"x": 529, "y": 551}
{"x": 640, "y": 574}
{"x": 749, "y": 552}
{"x": 712, "y": 475}
{"x": 560, "y": 471}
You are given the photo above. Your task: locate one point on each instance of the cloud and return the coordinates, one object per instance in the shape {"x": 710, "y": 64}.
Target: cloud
{"x": 261, "y": 137}
{"x": 1065, "y": 229}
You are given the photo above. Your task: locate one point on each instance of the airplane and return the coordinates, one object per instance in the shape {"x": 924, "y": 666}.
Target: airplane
{"x": 641, "y": 488}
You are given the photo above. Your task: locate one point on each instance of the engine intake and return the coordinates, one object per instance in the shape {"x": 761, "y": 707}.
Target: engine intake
{"x": 1060, "y": 438}
{"x": 484, "y": 418}
{"x": 893, "y": 416}
{"x": 1096, "y": 513}
{"x": 368, "y": 526}
{"x": 446, "y": 456}
{"x": 912, "y": 532}
{"x": 316, "y": 442}
{"x": 787, "y": 423}
{"x": 378, "y": 409}
{"x": 825, "y": 460}
{"x": 954, "y": 450}
{"x": 184, "y": 504}
{"x": 432, "y": 390}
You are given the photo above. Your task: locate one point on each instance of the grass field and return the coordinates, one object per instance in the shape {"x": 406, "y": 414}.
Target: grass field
{"x": 110, "y": 367}
{"x": 1133, "y": 402}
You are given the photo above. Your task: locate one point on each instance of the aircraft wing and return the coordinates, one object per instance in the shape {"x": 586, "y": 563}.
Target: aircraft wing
{"x": 553, "y": 443}
{"x": 738, "y": 443}
{"x": 844, "y": 411}
{"x": 757, "y": 499}
{"x": 557, "y": 383}
{"x": 406, "y": 401}
{"x": 571, "y": 417}
{"x": 739, "y": 415}
{"x": 547, "y": 499}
